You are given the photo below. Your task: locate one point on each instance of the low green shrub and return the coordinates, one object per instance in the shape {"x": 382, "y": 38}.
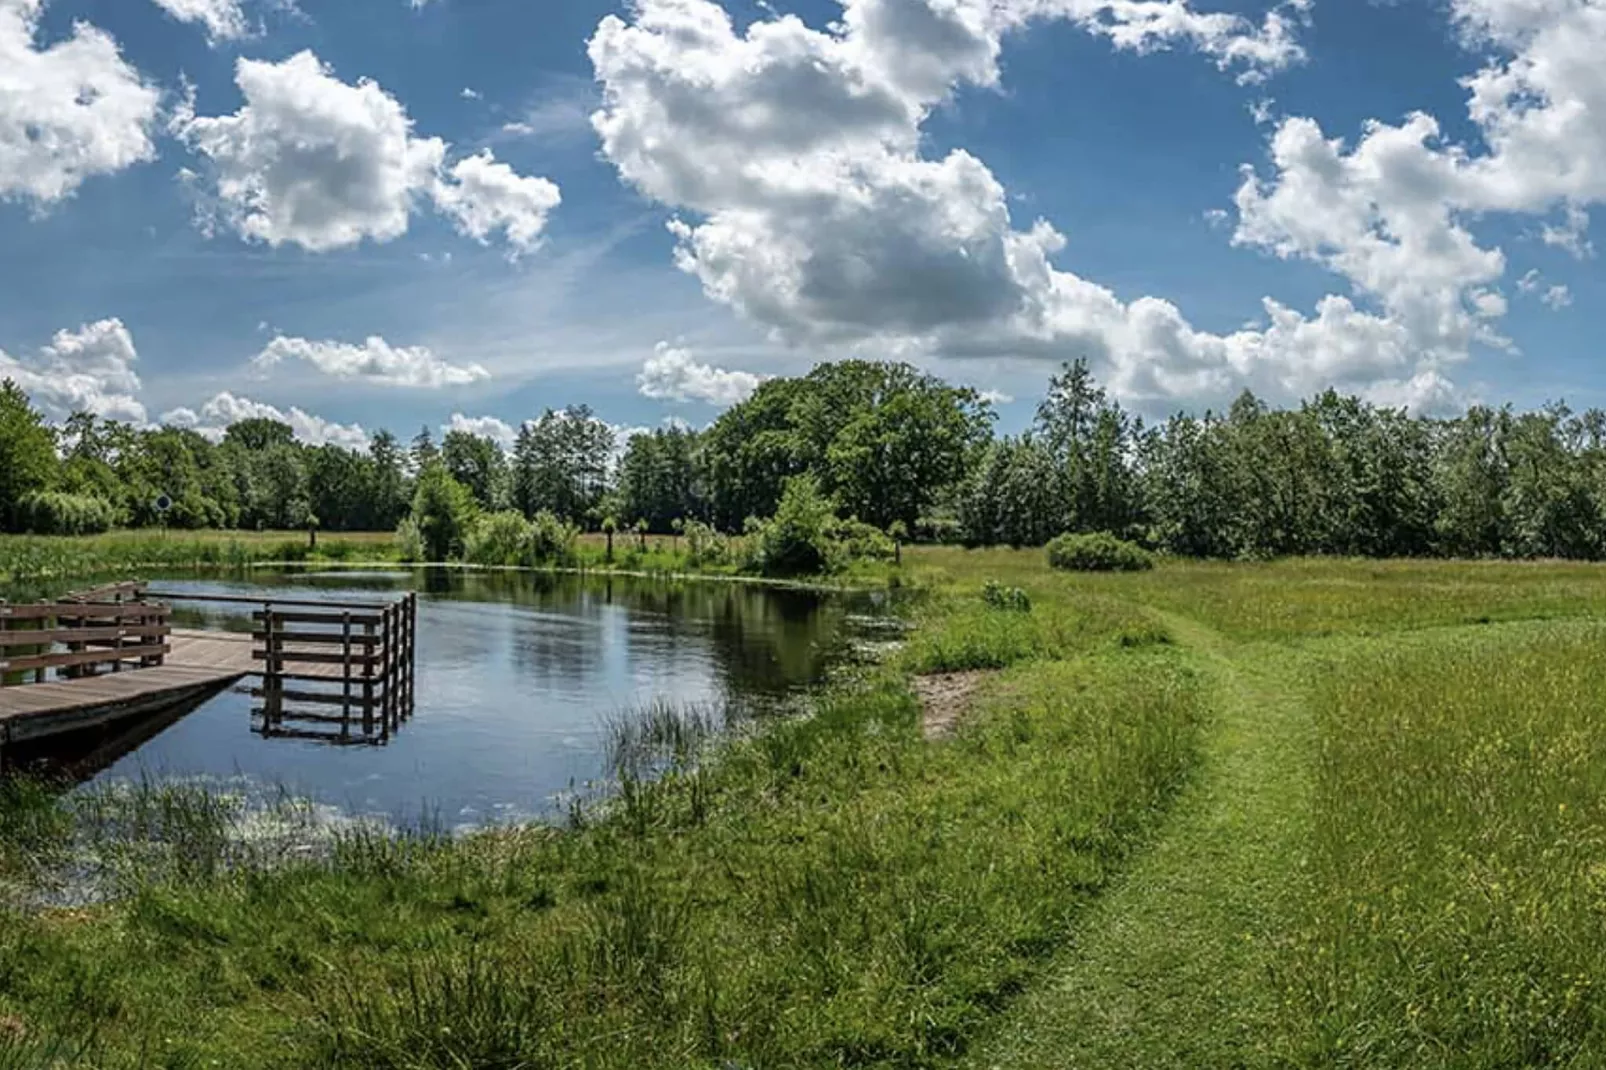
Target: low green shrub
{"x": 1097, "y": 551}
{"x": 409, "y": 542}
{"x": 861, "y": 541}
{"x": 1012, "y": 599}
{"x": 58, "y": 513}
{"x": 796, "y": 541}
{"x": 550, "y": 541}
{"x": 497, "y": 539}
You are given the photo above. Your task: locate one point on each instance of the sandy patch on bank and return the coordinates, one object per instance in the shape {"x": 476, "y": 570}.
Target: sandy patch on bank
{"x": 945, "y": 698}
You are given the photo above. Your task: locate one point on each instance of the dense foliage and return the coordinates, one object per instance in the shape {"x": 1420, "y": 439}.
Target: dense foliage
{"x": 1097, "y": 551}
{"x": 886, "y": 449}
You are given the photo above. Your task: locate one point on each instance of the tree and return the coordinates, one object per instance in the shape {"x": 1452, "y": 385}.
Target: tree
{"x": 259, "y": 434}
{"x": 27, "y": 452}
{"x": 387, "y": 491}
{"x": 423, "y": 452}
{"x": 476, "y": 462}
{"x": 444, "y": 511}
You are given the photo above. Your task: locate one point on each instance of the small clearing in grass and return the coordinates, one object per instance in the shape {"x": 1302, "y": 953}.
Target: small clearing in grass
{"x": 945, "y": 698}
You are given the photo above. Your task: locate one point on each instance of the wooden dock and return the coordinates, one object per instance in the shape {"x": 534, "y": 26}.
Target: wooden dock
{"x": 116, "y": 657}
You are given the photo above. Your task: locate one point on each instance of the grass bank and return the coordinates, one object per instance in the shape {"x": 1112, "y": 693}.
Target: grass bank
{"x": 1308, "y": 813}
{"x": 826, "y": 891}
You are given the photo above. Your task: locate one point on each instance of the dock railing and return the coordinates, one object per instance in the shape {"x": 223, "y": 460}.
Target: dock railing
{"x": 112, "y": 628}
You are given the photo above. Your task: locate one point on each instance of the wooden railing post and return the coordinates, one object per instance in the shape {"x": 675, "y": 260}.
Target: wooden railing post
{"x": 345, "y": 633}
{"x": 368, "y": 677}
{"x": 273, "y": 679}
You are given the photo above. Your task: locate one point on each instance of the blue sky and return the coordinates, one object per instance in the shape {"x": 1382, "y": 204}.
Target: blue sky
{"x": 893, "y": 220}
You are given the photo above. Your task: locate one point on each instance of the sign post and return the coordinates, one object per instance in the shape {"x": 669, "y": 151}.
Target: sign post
{"x": 163, "y": 505}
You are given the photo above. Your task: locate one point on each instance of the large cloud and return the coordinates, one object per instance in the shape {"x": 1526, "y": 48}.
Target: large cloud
{"x": 68, "y": 111}
{"x": 225, "y": 409}
{"x": 1392, "y": 213}
{"x": 376, "y": 360}
{"x": 87, "y": 370}
{"x": 313, "y": 161}
{"x": 811, "y": 210}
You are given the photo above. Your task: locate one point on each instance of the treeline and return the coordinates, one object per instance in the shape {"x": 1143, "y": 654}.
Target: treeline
{"x": 893, "y": 448}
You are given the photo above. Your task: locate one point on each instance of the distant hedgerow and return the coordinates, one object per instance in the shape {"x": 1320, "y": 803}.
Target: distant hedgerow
{"x": 1098, "y": 552}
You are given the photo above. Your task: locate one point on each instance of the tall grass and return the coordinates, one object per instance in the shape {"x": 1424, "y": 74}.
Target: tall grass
{"x": 831, "y": 890}
{"x": 1453, "y": 913}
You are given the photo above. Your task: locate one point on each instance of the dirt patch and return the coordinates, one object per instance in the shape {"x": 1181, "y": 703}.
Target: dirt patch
{"x": 945, "y": 698}
{"x": 12, "y": 1027}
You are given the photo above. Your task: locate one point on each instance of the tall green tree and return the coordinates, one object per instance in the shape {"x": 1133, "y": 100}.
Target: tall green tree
{"x": 27, "y": 451}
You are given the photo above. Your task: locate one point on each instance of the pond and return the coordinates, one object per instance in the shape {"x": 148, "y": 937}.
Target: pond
{"x": 518, "y": 676}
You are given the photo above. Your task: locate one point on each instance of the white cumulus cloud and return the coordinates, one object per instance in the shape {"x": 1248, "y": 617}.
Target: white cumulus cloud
{"x": 375, "y": 360}
{"x": 499, "y": 431}
{"x": 674, "y": 374}
{"x": 225, "y": 409}
{"x": 313, "y": 161}
{"x": 69, "y": 110}
{"x": 89, "y": 370}
{"x": 482, "y": 196}
{"x": 810, "y": 209}
{"x": 223, "y": 20}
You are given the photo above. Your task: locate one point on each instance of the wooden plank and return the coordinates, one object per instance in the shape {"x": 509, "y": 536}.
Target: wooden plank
{"x": 127, "y": 590}
{"x": 56, "y": 661}
{"x": 317, "y": 638}
{"x": 83, "y": 611}
{"x": 46, "y": 636}
{"x": 317, "y": 618}
{"x": 258, "y": 600}
{"x": 309, "y": 657}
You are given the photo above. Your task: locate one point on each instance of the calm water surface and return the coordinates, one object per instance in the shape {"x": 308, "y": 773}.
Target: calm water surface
{"x": 517, "y": 675}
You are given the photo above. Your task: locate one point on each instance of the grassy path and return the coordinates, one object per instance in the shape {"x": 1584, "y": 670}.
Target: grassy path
{"x": 1173, "y": 967}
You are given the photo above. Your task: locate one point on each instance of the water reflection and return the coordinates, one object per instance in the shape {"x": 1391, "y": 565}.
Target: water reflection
{"x": 516, "y": 675}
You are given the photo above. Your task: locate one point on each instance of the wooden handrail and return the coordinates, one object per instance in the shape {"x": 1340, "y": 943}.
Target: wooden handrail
{"x": 84, "y": 611}
{"x": 248, "y": 600}
{"x": 92, "y": 657}
{"x": 47, "y": 636}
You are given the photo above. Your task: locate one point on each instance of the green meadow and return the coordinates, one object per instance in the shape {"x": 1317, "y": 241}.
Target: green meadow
{"x": 1317, "y": 813}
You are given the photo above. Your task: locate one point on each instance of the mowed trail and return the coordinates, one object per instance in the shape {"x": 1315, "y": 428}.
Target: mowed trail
{"x": 1174, "y": 967}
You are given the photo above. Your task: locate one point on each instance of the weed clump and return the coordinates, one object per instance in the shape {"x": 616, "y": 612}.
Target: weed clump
{"x": 1097, "y": 551}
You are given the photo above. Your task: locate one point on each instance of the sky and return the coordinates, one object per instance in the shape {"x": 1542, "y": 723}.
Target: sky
{"x": 365, "y": 214}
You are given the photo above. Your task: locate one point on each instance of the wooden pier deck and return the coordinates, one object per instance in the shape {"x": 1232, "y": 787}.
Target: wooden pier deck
{"x": 199, "y": 662}
{"x": 368, "y": 655}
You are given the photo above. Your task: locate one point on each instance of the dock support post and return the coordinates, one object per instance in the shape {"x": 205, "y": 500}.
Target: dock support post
{"x": 345, "y": 668}
{"x": 368, "y": 679}
{"x": 273, "y": 680}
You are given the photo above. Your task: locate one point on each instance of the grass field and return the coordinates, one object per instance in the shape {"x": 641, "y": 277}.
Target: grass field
{"x": 1309, "y": 813}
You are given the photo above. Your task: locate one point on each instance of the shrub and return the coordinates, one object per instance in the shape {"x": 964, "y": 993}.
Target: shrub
{"x": 56, "y": 513}
{"x": 1012, "y": 599}
{"x": 861, "y": 540}
{"x": 497, "y": 539}
{"x": 704, "y": 545}
{"x": 1098, "y": 552}
{"x": 550, "y": 541}
{"x": 797, "y": 539}
{"x": 409, "y": 543}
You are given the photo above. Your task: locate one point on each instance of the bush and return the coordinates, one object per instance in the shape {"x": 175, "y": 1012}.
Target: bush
{"x": 497, "y": 539}
{"x": 409, "y": 543}
{"x": 1097, "y": 552}
{"x": 1012, "y": 599}
{"x": 550, "y": 541}
{"x": 861, "y": 540}
{"x": 704, "y": 545}
{"x": 56, "y": 513}
{"x": 797, "y": 539}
